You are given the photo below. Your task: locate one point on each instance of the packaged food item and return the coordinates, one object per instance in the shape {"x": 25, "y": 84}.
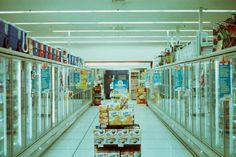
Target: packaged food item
{"x": 126, "y": 153}
{"x": 114, "y": 118}
{"x": 114, "y": 154}
{"x": 110, "y": 136}
{"x": 127, "y": 116}
{"x": 134, "y": 136}
{"x": 114, "y": 106}
{"x": 103, "y": 108}
{"x": 137, "y": 154}
{"x": 122, "y": 136}
{"x": 99, "y": 136}
{"x": 101, "y": 155}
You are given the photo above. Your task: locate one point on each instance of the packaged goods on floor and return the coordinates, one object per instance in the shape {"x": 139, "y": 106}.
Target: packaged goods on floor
{"x": 119, "y": 137}
{"x": 119, "y": 153}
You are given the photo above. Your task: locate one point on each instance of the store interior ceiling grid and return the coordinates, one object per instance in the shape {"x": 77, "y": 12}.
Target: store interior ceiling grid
{"x": 127, "y": 27}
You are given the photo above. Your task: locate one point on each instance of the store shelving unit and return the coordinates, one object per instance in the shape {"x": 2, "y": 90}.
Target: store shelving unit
{"x": 134, "y": 79}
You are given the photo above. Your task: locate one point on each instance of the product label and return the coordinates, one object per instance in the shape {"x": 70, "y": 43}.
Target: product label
{"x": 224, "y": 80}
{"x": 45, "y": 76}
{"x": 178, "y": 78}
{"x": 157, "y": 78}
{"x": 120, "y": 84}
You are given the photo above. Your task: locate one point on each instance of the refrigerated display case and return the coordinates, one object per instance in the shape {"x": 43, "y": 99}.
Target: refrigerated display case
{"x": 34, "y": 101}
{"x": 199, "y": 97}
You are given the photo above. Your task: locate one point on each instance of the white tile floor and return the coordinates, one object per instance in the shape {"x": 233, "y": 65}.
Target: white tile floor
{"x": 77, "y": 141}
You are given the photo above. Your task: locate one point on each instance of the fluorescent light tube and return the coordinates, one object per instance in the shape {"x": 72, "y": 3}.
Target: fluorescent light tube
{"x": 109, "y": 23}
{"x": 99, "y": 41}
{"x": 109, "y": 31}
{"x": 102, "y": 37}
{"x": 112, "y": 11}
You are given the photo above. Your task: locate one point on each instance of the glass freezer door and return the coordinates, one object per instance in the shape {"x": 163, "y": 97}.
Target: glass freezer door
{"x": 3, "y": 129}
{"x": 16, "y": 105}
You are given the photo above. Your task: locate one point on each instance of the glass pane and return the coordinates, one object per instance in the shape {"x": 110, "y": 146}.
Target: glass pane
{"x": 46, "y": 96}
{"x": 196, "y": 98}
{"x": 36, "y": 101}
{"x": 16, "y": 127}
{"x": 188, "y": 96}
{"x": 205, "y": 101}
{"x": 232, "y": 135}
{"x": 3, "y": 108}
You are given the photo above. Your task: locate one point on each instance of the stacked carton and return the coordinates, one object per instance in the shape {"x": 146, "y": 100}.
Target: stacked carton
{"x": 117, "y": 135}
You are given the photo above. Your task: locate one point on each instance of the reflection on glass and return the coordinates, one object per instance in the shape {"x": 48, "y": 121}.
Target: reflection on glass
{"x": 3, "y": 121}
{"x": 16, "y": 105}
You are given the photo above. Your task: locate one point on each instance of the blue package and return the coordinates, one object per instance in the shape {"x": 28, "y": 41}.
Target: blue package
{"x": 13, "y": 36}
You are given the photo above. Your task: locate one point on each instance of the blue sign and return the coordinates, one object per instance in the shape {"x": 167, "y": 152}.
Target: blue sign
{"x": 45, "y": 76}
{"x": 117, "y": 84}
{"x": 157, "y": 78}
{"x": 89, "y": 77}
{"x": 224, "y": 80}
{"x": 77, "y": 77}
{"x": 178, "y": 78}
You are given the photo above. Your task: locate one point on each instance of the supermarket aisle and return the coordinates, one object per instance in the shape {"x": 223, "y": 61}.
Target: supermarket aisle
{"x": 156, "y": 139}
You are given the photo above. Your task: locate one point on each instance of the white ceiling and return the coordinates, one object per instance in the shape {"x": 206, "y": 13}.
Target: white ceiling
{"x": 87, "y": 15}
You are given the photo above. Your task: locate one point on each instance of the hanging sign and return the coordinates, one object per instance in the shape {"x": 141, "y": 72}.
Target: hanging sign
{"x": 120, "y": 84}
{"x": 224, "y": 79}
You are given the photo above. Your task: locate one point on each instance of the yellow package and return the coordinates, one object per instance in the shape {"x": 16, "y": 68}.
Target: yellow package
{"x": 127, "y": 116}
{"x": 114, "y": 107}
{"x": 103, "y": 108}
{"x": 114, "y": 118}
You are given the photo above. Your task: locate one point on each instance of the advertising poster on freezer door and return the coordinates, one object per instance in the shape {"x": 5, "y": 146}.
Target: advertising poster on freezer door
{"x": 77, "y": 78}
{"x": 157, "y": 78}
{"x": 178, "y": 78}
{"x": 224, "y": 79}
{"x": 45, "y": 77}
{"x": 83, "y": 79}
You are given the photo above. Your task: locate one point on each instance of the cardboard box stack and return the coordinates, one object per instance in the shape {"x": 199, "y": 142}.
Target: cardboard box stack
{"x": 117, "y": 135}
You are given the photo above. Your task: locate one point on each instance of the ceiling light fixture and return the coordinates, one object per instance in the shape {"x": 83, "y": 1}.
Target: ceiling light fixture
{"x": 113, "y": 11}
{"x": 99, "y": 41}
{"x": 109, "y": 23}
{"x": 112, "y": 31}
{"x": 102, "y": 37}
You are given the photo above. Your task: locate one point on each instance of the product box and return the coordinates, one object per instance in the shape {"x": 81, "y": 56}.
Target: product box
{"x": 122, "y": 136}
{"x": 126, "y": 153}
{"x": 110, "y": 136}
{"x": 101, "y": 155}
{"x": 58, "y": 58}
{"x": 45, "y": 50}
{"x": 134, "y": 136}
{"x": 114, "y": 106}
{"x": 114, "y": 154}
{"x": 13, "y": 37}
{"x": 50, "y": 52}
{"x": 127, "y": 116}
{"x": 114, "y": 118}
{"x": 99, "y": 136}
{"x": 137, "y": 153}
{"x": 40, "y": 50}
{"x": 54, "y": 54}
{"x": 35, "y": 47}
{"x": 141, "y": 95}
{"x": 3, "y": 33}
